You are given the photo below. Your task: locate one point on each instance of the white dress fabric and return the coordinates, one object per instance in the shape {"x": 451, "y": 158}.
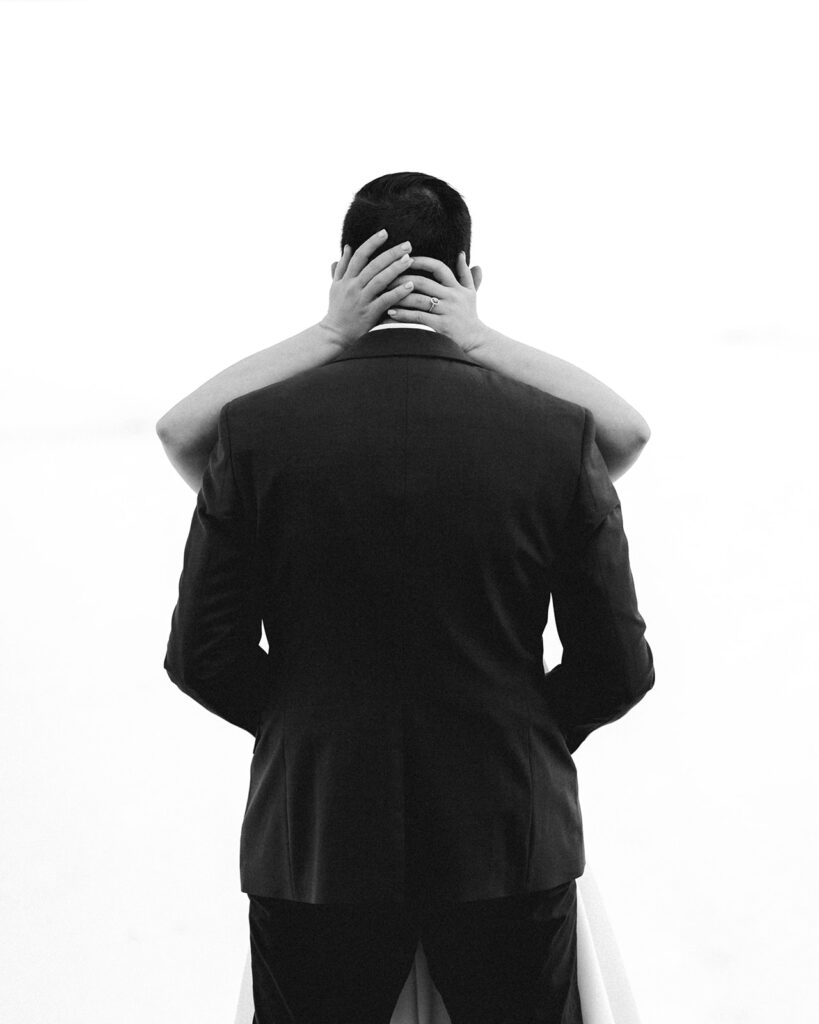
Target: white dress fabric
{"x": 605, "y": 994}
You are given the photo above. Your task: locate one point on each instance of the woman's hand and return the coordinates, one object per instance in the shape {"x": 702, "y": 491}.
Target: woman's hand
{"x": 358, "y": 299}
{"x": 455, "y": 313}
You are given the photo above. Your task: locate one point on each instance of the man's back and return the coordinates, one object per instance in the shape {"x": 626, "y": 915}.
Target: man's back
{"x": 410, "y": 513}
{"x": 409, "y": 509}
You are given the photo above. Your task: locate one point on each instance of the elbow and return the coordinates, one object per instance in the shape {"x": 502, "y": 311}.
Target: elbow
{"x": 175, "y": 433}
{"x": 173, "y": 666}
{"x": 178, "y": 659}
{"x": 642, "y": 434}
{"x": 634, "y": 677}
{"x": 628, "y": 450}
{"x": 178, "y": 447}
{"x": 638, "y": 437}
{"x": 627, "y": 694}
{"x": 646, "y": 684}
{"x": 641, "y": 677}
{"x": 166, "y": 433}
{"x": 182, "y": 672}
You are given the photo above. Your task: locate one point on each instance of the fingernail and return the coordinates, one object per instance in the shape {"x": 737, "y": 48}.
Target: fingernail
{"x": 391, "y": 312}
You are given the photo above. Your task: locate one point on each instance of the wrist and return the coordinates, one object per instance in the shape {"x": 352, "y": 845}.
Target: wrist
{"x": 333, "y": 333}
{"x": 480, "y": 337}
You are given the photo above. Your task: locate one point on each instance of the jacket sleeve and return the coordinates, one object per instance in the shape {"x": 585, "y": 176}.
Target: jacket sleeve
{"x": 213, "y": 652}
{"x": 607, "y": 665}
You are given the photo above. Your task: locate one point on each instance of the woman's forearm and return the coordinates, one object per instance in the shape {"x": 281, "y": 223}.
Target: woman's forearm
{"x": 621, "y": 430}
{"x": 188, "y": 430}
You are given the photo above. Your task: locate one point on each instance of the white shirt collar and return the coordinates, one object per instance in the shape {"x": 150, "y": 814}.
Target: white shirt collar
{"x": 414, "y": 327}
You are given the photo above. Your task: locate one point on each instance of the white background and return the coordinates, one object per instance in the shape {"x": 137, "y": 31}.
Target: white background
{"x": 642, "y": 179}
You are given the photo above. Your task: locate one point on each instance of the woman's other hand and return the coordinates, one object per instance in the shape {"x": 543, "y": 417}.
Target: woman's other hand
{"x": 455, "y": 314}
{"x": 363, "y": 289}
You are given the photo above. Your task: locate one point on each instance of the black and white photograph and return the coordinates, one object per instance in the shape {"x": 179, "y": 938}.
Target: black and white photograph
{"x": 408, "y": 511}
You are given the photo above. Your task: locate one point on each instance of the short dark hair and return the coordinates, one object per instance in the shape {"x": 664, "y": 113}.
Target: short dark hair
{"x": 415, "y": 207}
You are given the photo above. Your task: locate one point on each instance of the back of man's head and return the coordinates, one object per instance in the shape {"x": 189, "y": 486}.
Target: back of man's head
{"x": 412, "y": 207}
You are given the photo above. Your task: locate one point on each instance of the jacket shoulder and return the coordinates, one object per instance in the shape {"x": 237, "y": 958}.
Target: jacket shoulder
{"x": 564, "y": 421}
{"x": 249, "y": 407}
{"x": 567, "y": 418}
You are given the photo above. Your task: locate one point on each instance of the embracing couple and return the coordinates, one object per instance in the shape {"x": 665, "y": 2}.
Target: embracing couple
{"x": 395, "y": 495}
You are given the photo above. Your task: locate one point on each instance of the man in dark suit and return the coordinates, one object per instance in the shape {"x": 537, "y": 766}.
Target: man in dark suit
{"x": 398, "y": 519}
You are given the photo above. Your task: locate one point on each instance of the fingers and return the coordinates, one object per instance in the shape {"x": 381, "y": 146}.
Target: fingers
{"x": 439, "y": 270}
{"x": 383, "y": 302}
{"x": 412, "y": 300}
{"x": 464, "y": 273}
{"x": 343, "y": 263}
{"x": 424, "y": 285}
{"x": 386, "y": 261}
{"x": 413, "y": 316}
{"x": 387, "y": 277}
{"x": 362, "y": 255}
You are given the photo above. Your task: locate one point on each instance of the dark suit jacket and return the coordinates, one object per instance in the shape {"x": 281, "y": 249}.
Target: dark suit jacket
{"x": 398, "y": 519}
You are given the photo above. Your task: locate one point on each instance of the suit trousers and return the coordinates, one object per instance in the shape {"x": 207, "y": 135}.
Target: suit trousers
{"x": 511, "y": 960}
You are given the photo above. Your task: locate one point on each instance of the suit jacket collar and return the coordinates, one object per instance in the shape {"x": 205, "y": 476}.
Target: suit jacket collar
{"x": 404, "y": 341}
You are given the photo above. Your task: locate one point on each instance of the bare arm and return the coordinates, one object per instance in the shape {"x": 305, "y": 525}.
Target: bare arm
{"x": 357, "y": 300}
{"x": 188, "y": 431}
{"x": 622, "y": 433}
{"x": 607, "y": 666}
{"x": 364, "y": 287}
{"x": 621, "y": 430}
